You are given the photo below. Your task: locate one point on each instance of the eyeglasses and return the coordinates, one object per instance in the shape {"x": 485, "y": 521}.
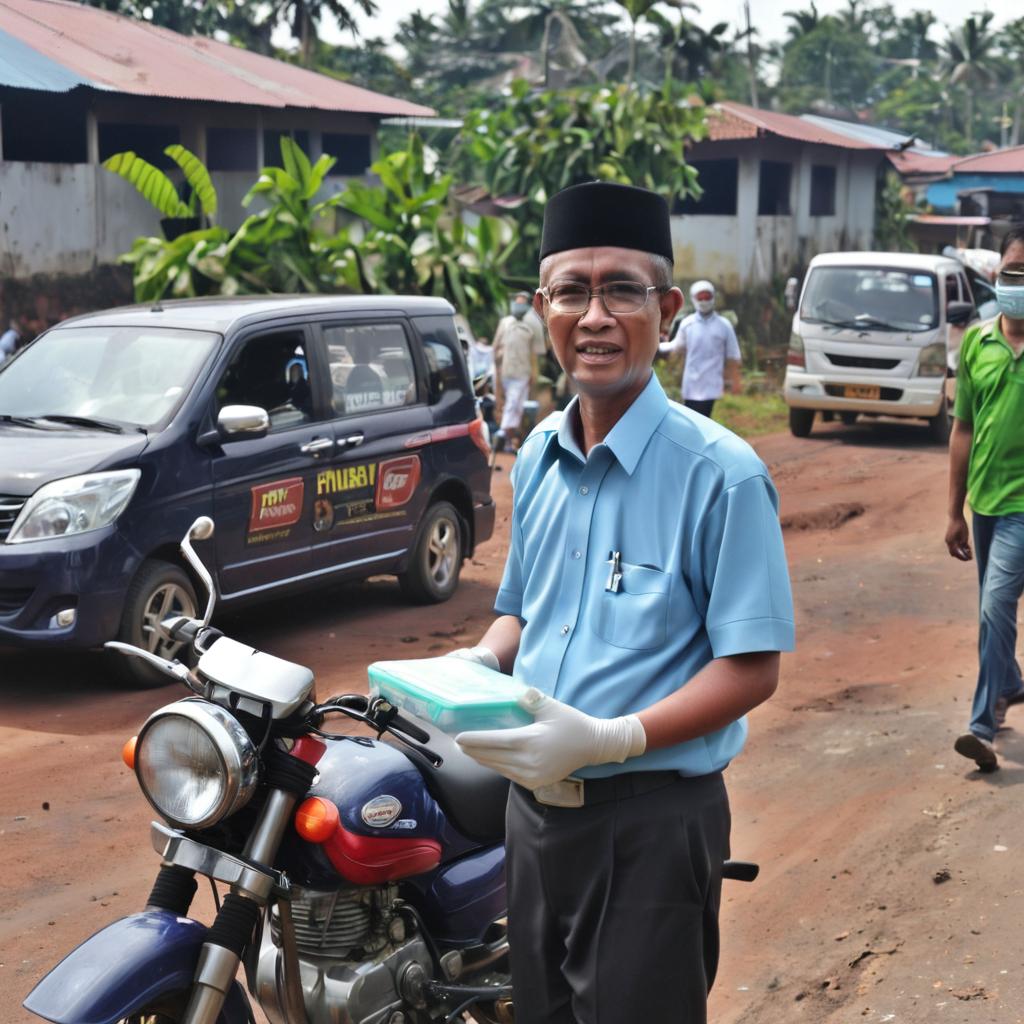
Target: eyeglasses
{"x": 1011, "y": 276}
{"x": 616, "y": 296}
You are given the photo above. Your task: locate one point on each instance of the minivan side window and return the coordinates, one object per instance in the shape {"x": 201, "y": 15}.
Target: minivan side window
{"x": 371, "y": 367}
{"x": 270, "y": 371}
{"x": 443, "y": 352}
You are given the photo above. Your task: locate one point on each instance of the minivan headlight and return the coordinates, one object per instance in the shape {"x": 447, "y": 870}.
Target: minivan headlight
{"x": 195, "y": 763}
{"x": 932, "y": 361}
{"x": 74, "y": 505}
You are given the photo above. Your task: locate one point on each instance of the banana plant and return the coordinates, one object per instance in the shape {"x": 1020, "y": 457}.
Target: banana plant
{"x": 159, "y": 191}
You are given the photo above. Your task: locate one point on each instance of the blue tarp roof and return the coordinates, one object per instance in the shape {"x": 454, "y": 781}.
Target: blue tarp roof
{"x": 25, "y": 68}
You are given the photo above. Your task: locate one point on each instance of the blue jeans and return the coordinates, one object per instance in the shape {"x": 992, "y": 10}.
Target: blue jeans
{"x": 999, "y": 552}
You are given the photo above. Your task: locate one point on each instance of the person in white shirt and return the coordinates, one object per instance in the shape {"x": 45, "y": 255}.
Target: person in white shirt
{"x": 710, "y": 351}
{"x": 9, "y": 340}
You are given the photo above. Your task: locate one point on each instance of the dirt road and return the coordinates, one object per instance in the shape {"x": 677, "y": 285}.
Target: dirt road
{"x": 889, "y": 887}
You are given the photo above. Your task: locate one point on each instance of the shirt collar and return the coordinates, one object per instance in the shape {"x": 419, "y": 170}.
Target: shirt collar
{"x": 628, "y": 438}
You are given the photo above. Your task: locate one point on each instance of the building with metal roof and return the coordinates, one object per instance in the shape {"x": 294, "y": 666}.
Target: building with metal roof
{"x": 78, "y": 84}
{"x": 778, "y": 189}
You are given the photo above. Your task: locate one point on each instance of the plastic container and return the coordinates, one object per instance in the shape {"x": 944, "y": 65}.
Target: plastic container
{"x": 454, "y": 694}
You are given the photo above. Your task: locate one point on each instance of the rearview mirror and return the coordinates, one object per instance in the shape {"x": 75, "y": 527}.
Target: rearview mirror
{"x": 959, "y": 313}
{"x": 239, "y": 422}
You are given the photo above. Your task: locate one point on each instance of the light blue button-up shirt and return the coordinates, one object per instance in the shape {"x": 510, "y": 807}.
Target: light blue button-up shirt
{"x": 694, "y": 515}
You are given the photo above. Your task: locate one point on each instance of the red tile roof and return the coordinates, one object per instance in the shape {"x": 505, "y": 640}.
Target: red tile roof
{"x": 730, "y": 120}
{"x": 123, "y": 55}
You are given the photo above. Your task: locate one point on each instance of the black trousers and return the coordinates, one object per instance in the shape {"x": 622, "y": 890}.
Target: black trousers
{"x": 702, "y": 405}
{"x": 613, "y": 907}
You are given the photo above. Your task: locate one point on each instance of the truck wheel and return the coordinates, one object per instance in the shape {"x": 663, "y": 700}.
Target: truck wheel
{"x": 939, "y": 426}
{"x": 436, "y": 560}
{"x": 800, "y": 422}
{"x": 159, "y": 591}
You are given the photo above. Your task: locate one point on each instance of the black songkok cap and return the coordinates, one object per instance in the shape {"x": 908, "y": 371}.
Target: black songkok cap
{"x": 603, "y": 213}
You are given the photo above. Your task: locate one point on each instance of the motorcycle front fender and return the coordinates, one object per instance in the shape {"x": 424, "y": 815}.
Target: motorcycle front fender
{"x": 131, "y": 964}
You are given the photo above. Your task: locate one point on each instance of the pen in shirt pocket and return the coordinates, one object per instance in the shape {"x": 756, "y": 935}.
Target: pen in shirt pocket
{"x": 614, "y": 572}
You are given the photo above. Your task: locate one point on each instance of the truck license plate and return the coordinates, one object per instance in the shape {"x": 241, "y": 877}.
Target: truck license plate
{"x": 868, "y": 391}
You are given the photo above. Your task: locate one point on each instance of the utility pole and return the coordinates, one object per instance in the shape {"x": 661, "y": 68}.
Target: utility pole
{"x": 751, "y": 63}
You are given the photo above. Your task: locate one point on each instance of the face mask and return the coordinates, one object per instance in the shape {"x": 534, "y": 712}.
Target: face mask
{"x": 704, "y": 305}
{"x": 519, "y": 309}
{"x": 1010, "y": 293}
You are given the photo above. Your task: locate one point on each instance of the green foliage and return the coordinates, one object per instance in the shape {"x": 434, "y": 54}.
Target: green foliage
{"x": 409, "y": 238}
{"x": 198, "y": 178}
{"x": 415, "y": 241}
{"x": 893, "y": 209}
{"x": 531, "y": 145}
{"x": 149, "y": 181}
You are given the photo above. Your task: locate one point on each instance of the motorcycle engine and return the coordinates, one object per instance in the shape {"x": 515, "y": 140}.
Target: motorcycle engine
{"x": 359, "y": 957}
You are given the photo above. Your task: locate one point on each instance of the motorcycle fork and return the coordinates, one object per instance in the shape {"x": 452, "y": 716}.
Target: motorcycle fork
{"x": 236, "y": 920}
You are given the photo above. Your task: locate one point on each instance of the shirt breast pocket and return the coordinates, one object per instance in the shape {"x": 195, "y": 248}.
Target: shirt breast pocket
{"x": 636, "y": 616}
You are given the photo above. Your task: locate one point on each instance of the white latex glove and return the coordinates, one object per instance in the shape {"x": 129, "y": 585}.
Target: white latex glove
{"x": 481, "y": 655}
{"x": 560, "y": 740}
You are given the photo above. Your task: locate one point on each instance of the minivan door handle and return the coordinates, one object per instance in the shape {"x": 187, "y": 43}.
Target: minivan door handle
{"x": 318, "y": 446}
{"x": 352, "y": 441}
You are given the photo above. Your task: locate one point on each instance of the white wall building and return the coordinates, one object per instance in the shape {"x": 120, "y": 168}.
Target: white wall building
{"x": 778, "y": 190}
{"x": 78, "y": 84}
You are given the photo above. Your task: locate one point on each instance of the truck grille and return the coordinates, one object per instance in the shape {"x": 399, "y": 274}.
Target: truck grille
{"x": 10, "y": 506}
{"x": 862, "y": 362}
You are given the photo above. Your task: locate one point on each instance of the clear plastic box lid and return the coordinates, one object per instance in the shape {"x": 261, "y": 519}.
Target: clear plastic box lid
{"x": 453, "y": 693}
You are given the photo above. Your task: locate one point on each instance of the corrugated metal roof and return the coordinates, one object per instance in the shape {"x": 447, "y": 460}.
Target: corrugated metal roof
{"x": 21, "y": 67}
{"x": 913, "y": 163}
{"x": 738, "y": 121}
{"x": 111, "y": 52}
{"x": 1001, "y": 161}
{"x": 884, "y": 138}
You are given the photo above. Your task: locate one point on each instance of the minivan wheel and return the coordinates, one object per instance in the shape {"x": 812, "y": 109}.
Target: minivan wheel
{"x": 800, "y": 422}
{"x": 436, "y": 559}
{"x": 939, "y": 426}
{"x": 160, "y": 590}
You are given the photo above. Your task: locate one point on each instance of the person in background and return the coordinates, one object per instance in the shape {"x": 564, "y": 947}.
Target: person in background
{"x": 518, "y": 344}
{"x": 710, "y": 351}
{"x": 646, "y": 599}
{"x": 10, "y": 340}
{"x": 986, "y": 467}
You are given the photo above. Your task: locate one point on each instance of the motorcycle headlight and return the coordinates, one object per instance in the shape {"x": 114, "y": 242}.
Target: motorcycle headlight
{"x": 74, "y": 505}
{"x": 932, "y": 361}
{"x": 195, "y": 763}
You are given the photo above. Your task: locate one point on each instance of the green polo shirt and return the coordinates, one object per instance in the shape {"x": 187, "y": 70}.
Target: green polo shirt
{"x": 990, "y": 395}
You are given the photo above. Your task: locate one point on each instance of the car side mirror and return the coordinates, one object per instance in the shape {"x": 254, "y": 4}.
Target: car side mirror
{"x": 959, "y": 313}
{"x": 242, "y": 422}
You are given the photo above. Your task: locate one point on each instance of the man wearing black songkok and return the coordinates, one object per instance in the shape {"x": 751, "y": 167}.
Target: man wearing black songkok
{"x": 645, "y": 601}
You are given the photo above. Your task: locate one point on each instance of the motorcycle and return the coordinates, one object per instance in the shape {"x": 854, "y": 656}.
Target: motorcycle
{"x": 365, "y": 877}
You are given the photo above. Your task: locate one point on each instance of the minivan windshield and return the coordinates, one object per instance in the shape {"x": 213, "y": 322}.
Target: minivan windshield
{"x": 103, "y": 377}
{"x": 871, "y": 298}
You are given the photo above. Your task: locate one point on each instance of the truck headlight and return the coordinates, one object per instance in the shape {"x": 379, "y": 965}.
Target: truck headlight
{"x": 932, "y": 361}
{"x": 74, "y": 505}
{"x": 195, "y": 763}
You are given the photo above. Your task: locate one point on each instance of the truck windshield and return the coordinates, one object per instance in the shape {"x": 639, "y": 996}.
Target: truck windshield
{"x": 871, "y": 298}
{"x": 107, "y": 377}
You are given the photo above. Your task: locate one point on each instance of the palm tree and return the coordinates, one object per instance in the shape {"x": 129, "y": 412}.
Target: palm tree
{"x": 968, "y": 62}
{"x": 685, "y": 44}
{"x": 635, "y": 10}
{"x": 305, "y": 15}
{"x": 804, "y": 22}
{"x": 1013, "y": 47}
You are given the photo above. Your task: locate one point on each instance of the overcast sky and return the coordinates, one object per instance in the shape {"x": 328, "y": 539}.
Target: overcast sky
{"x": 767, "y": 15}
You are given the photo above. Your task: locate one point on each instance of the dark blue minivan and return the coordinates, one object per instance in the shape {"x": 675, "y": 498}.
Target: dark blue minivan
{"x": 330, "y": 438}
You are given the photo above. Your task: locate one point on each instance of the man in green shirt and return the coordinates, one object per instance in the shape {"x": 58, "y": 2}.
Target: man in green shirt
{"x": 986, "y": 466}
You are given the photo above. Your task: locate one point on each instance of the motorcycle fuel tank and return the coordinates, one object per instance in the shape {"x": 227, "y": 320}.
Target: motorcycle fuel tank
{"x": 389, "y": 826}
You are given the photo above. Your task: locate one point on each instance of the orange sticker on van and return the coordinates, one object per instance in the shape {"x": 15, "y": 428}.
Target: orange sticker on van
{"x": 276, "y": 504}
{"x": 397, "y": 480}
